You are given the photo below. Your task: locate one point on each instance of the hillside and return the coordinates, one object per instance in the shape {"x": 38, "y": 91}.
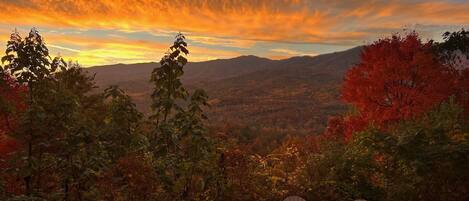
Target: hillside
{"x": 296, "y": 93}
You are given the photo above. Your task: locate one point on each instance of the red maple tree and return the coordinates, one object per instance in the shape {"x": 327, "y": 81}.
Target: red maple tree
{"x": 398, "y": 78}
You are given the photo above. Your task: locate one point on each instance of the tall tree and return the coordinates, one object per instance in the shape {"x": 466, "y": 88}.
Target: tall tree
{"x": 183, "y": 151}
{"x": 29, "y": 62}
{"x": 168, "y": 87}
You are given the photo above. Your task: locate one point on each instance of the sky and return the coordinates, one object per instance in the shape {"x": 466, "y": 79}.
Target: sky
{"x": 95, "y": 32}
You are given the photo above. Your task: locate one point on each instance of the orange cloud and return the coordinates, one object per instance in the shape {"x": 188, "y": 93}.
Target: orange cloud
{"x": 259, "y": 20}
{"x": 245, "y": 19}
{"x": 217, "y": 23}
{"x": 267, "y": 20}
{"x": 228, "y": 42}
{"x": 89, "y": 51}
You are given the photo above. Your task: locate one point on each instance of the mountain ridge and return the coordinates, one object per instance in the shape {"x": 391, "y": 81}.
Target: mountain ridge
{"x": 296, "y": 93}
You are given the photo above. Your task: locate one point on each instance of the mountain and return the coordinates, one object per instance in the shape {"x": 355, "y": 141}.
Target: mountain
{"x": 298, "y": 93}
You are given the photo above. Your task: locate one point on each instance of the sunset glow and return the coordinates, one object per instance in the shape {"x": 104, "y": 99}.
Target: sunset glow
{"x": 109, "y": 31}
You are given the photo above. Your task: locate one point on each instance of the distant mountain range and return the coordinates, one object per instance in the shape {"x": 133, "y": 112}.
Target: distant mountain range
{"x": 298, "y": 93}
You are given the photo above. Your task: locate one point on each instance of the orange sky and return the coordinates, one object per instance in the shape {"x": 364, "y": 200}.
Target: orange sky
{"x": 124, "y": 31}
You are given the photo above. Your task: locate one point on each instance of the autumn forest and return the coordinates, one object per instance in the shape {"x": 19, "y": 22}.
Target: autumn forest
{"x": 400, "y": 130}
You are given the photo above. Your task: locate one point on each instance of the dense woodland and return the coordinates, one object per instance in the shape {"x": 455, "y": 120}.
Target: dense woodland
{"x": 405, "y": 135}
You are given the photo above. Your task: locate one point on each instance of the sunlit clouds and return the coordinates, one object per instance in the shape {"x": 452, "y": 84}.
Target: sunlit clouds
{"x": 110, "y": 31}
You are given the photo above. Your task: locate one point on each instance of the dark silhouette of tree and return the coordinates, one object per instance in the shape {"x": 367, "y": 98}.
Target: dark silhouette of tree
{"x": 454, "y": 48}
{"x": 179, "y": 141}
{"x": 168, "y": 88}
{"x": 454, "y": 52}
{"x": 29, "y": 62}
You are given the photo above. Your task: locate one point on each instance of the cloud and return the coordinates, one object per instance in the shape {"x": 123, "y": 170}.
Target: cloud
{"x": 221, "y": 28}
{"x": 63, "y": 48}
{"x": 227, "y": 42}
{"x": 89, "y": 50}
{"x": 290, "y": 53}
{"x": 310, "y": 21}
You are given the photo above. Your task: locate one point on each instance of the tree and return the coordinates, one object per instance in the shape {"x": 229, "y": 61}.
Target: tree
{"x": 342, "y": 127}
{"x": 168, "y": 90}
{"x": 28, "y": 61}
{"x": 454, "y": 48}
{"x": 454, "y": 52}
{"x": 397, "y": 78}
{"x": 184, "y": 154}
{"x": 166, "y": 79}
{"x": 11, "y": 103}
{"x": 120, "y": 129}
{"x": 421, "y": 159}
{"x": 92, "y": 132}
{"x": 408, "y": 125}
{"x": 131, "y": 178}
{"x": 77, "y": 154}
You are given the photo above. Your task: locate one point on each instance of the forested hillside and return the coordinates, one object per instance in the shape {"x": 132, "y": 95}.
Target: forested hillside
{"x": 296, "y": 94}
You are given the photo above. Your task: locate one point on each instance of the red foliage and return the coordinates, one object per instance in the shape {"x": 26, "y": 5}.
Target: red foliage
{"x": 335, "y": 128}
{"x": 131, "y": 178}
{"x": 398, "y": 78}
{"x": 12, "y": 100}
{"x": 354, "y": 124}
{"x": 341, "y": 128}
{"x": 7, "y": 146}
